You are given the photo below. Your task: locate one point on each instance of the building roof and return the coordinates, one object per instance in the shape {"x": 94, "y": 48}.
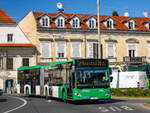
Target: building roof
{"x": 118, "y": 20}
{"x": 16, "y": 45}
{"x": 4, "y": 18}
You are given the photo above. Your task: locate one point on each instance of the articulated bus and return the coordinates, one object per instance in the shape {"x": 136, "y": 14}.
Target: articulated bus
{"x": 79, "y": 79}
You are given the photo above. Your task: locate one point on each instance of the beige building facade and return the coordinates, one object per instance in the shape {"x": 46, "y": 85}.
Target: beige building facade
{"x": 62, "y": 37}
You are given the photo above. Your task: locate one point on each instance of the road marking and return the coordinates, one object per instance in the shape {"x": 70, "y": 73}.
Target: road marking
{"x": 103, "y": 109}
{"x": 115, "y": 108}
{"x": 25, "y": 102}
{"x": 49, "y": 101}
{"x": 127, "y": 108}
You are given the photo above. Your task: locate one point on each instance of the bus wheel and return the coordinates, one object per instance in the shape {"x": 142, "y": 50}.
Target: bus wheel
{"x": 64, "y": 98}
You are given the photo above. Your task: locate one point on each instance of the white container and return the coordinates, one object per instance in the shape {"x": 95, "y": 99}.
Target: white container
{"x": 129, "y": 79}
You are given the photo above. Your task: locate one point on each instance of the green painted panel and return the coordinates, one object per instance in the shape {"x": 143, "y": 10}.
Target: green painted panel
{"x": 91, "y": 94}
{"x": 39, "y": 66}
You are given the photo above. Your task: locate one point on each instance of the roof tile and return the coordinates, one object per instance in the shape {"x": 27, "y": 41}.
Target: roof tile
{"x": 118, "y": 21}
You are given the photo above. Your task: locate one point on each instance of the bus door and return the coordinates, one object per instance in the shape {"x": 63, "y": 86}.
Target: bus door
{"x": 33, "y": 84}
{"x": 71, "y": 83}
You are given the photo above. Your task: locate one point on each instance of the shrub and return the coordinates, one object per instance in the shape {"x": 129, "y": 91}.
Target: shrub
{"x": 130, "y": 92}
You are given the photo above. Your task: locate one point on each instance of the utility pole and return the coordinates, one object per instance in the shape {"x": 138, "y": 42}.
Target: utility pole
{"x": 98, "y": 27}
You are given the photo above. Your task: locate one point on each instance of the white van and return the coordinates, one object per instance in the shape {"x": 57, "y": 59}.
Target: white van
{"x": 129, "y": 79}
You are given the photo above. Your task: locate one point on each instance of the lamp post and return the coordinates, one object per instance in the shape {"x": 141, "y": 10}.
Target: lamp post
{"x": 98, "y": 27}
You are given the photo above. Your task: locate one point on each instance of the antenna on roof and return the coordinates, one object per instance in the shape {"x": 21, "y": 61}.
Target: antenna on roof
{"x": 126, "y": 14}
{"x": 60, "y": 6}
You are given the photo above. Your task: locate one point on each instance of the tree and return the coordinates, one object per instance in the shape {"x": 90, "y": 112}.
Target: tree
{"x": 115, "y": 13}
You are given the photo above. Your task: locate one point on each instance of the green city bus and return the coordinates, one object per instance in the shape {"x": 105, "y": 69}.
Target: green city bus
{"x": 79, "y": 79}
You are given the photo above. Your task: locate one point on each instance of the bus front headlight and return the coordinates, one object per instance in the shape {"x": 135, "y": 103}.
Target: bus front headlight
{"x": 78, "y": 94}
{"x": 107, "y": 94}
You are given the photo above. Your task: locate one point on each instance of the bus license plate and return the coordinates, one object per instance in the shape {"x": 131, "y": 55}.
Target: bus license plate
{"x": 94, "y": 98}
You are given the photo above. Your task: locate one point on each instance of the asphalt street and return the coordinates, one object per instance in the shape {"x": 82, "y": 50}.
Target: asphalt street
{"x": 41, "y": 105}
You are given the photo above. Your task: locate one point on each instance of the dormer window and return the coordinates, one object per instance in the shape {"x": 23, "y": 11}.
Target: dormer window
{"x": 75, "y": 23}
{"x": 149, "y": 26}
{"x": 60, "y": 22}
{"x": 109, "y": 24}
{"x": 131, "y": 25}
{"x": 45, "y": 21}
{"x": 92, "y": 23}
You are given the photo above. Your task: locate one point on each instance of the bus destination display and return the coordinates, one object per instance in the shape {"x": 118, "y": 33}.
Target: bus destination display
{"x": 91, "y": 63}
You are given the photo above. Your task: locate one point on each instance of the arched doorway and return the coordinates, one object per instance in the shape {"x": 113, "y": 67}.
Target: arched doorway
{"x": 9, "y": 85}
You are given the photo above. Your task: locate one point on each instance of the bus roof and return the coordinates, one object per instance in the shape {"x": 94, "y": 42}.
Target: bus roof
{"x": 39, "y": 66}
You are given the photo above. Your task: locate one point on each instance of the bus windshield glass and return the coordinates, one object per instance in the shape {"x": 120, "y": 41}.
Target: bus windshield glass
{"x": 92, "y": 79}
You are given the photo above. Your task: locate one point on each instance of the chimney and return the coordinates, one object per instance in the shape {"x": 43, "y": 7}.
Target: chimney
{"x": 145, "y": 14}
{"x": 126, "y": 14}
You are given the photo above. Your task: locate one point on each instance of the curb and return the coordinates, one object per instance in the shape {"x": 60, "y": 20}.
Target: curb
{"x": 129, "y": 98}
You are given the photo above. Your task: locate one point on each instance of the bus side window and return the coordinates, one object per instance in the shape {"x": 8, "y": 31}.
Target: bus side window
{"x": 73, "y": 79}
{"x": 110, "y": 71}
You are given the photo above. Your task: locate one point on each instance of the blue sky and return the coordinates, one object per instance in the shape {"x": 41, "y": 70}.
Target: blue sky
{"x": 17, "y": 9}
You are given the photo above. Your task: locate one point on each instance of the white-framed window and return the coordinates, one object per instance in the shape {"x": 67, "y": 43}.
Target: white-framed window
{"x": 61, "y": 49}
{"x": 75, "y": 22}
{"x": 9, "y": 37}
{"x": 76, "y": 49}
{"x": 92, "y": 23}
{"x": 132, "y": 50}
{"x": 45, "y": 47}
{"x": 111, "y": 50}
{"x": 131, "y": 25}
{"x": 60, "y": 23}
{"x": 147, "y": 25}
{"x": 109, "y": 24}
{"x": 45, "y": 22}
{"x": 92, "y": 49}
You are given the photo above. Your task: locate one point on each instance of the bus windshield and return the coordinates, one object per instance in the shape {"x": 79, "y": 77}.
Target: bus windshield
{"x": 92, "y": 79}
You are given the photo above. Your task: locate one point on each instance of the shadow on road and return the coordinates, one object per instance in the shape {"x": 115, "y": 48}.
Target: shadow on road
{"x": 3, "y": 100}
{"x": 87, "y": 102}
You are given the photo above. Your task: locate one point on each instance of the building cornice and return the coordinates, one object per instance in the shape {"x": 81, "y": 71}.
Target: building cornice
{"x": 79, "y": 30}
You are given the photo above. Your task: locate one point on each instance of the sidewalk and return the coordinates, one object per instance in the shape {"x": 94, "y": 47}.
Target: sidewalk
{"x": 130, "y": 98}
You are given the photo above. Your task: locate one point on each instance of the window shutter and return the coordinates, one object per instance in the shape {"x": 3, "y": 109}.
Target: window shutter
{"x": 91, "y": 49}
{"x": 76, "y": 49}
{"x": 132, "y": 47}
{"x": 95, "y": 50}
{"x": 61, "y": 49}
{"x": 46, "y": 49}
{"x": 110, "y": 52}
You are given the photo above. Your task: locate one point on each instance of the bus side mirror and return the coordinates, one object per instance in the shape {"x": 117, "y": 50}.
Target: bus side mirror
{"x": 111, "y": 79}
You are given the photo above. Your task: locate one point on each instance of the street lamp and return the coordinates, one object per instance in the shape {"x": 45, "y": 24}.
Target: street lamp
{"x": 98, "y": 26}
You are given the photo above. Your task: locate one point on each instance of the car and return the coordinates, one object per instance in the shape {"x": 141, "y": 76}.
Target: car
{"x": 1, "y": 91}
